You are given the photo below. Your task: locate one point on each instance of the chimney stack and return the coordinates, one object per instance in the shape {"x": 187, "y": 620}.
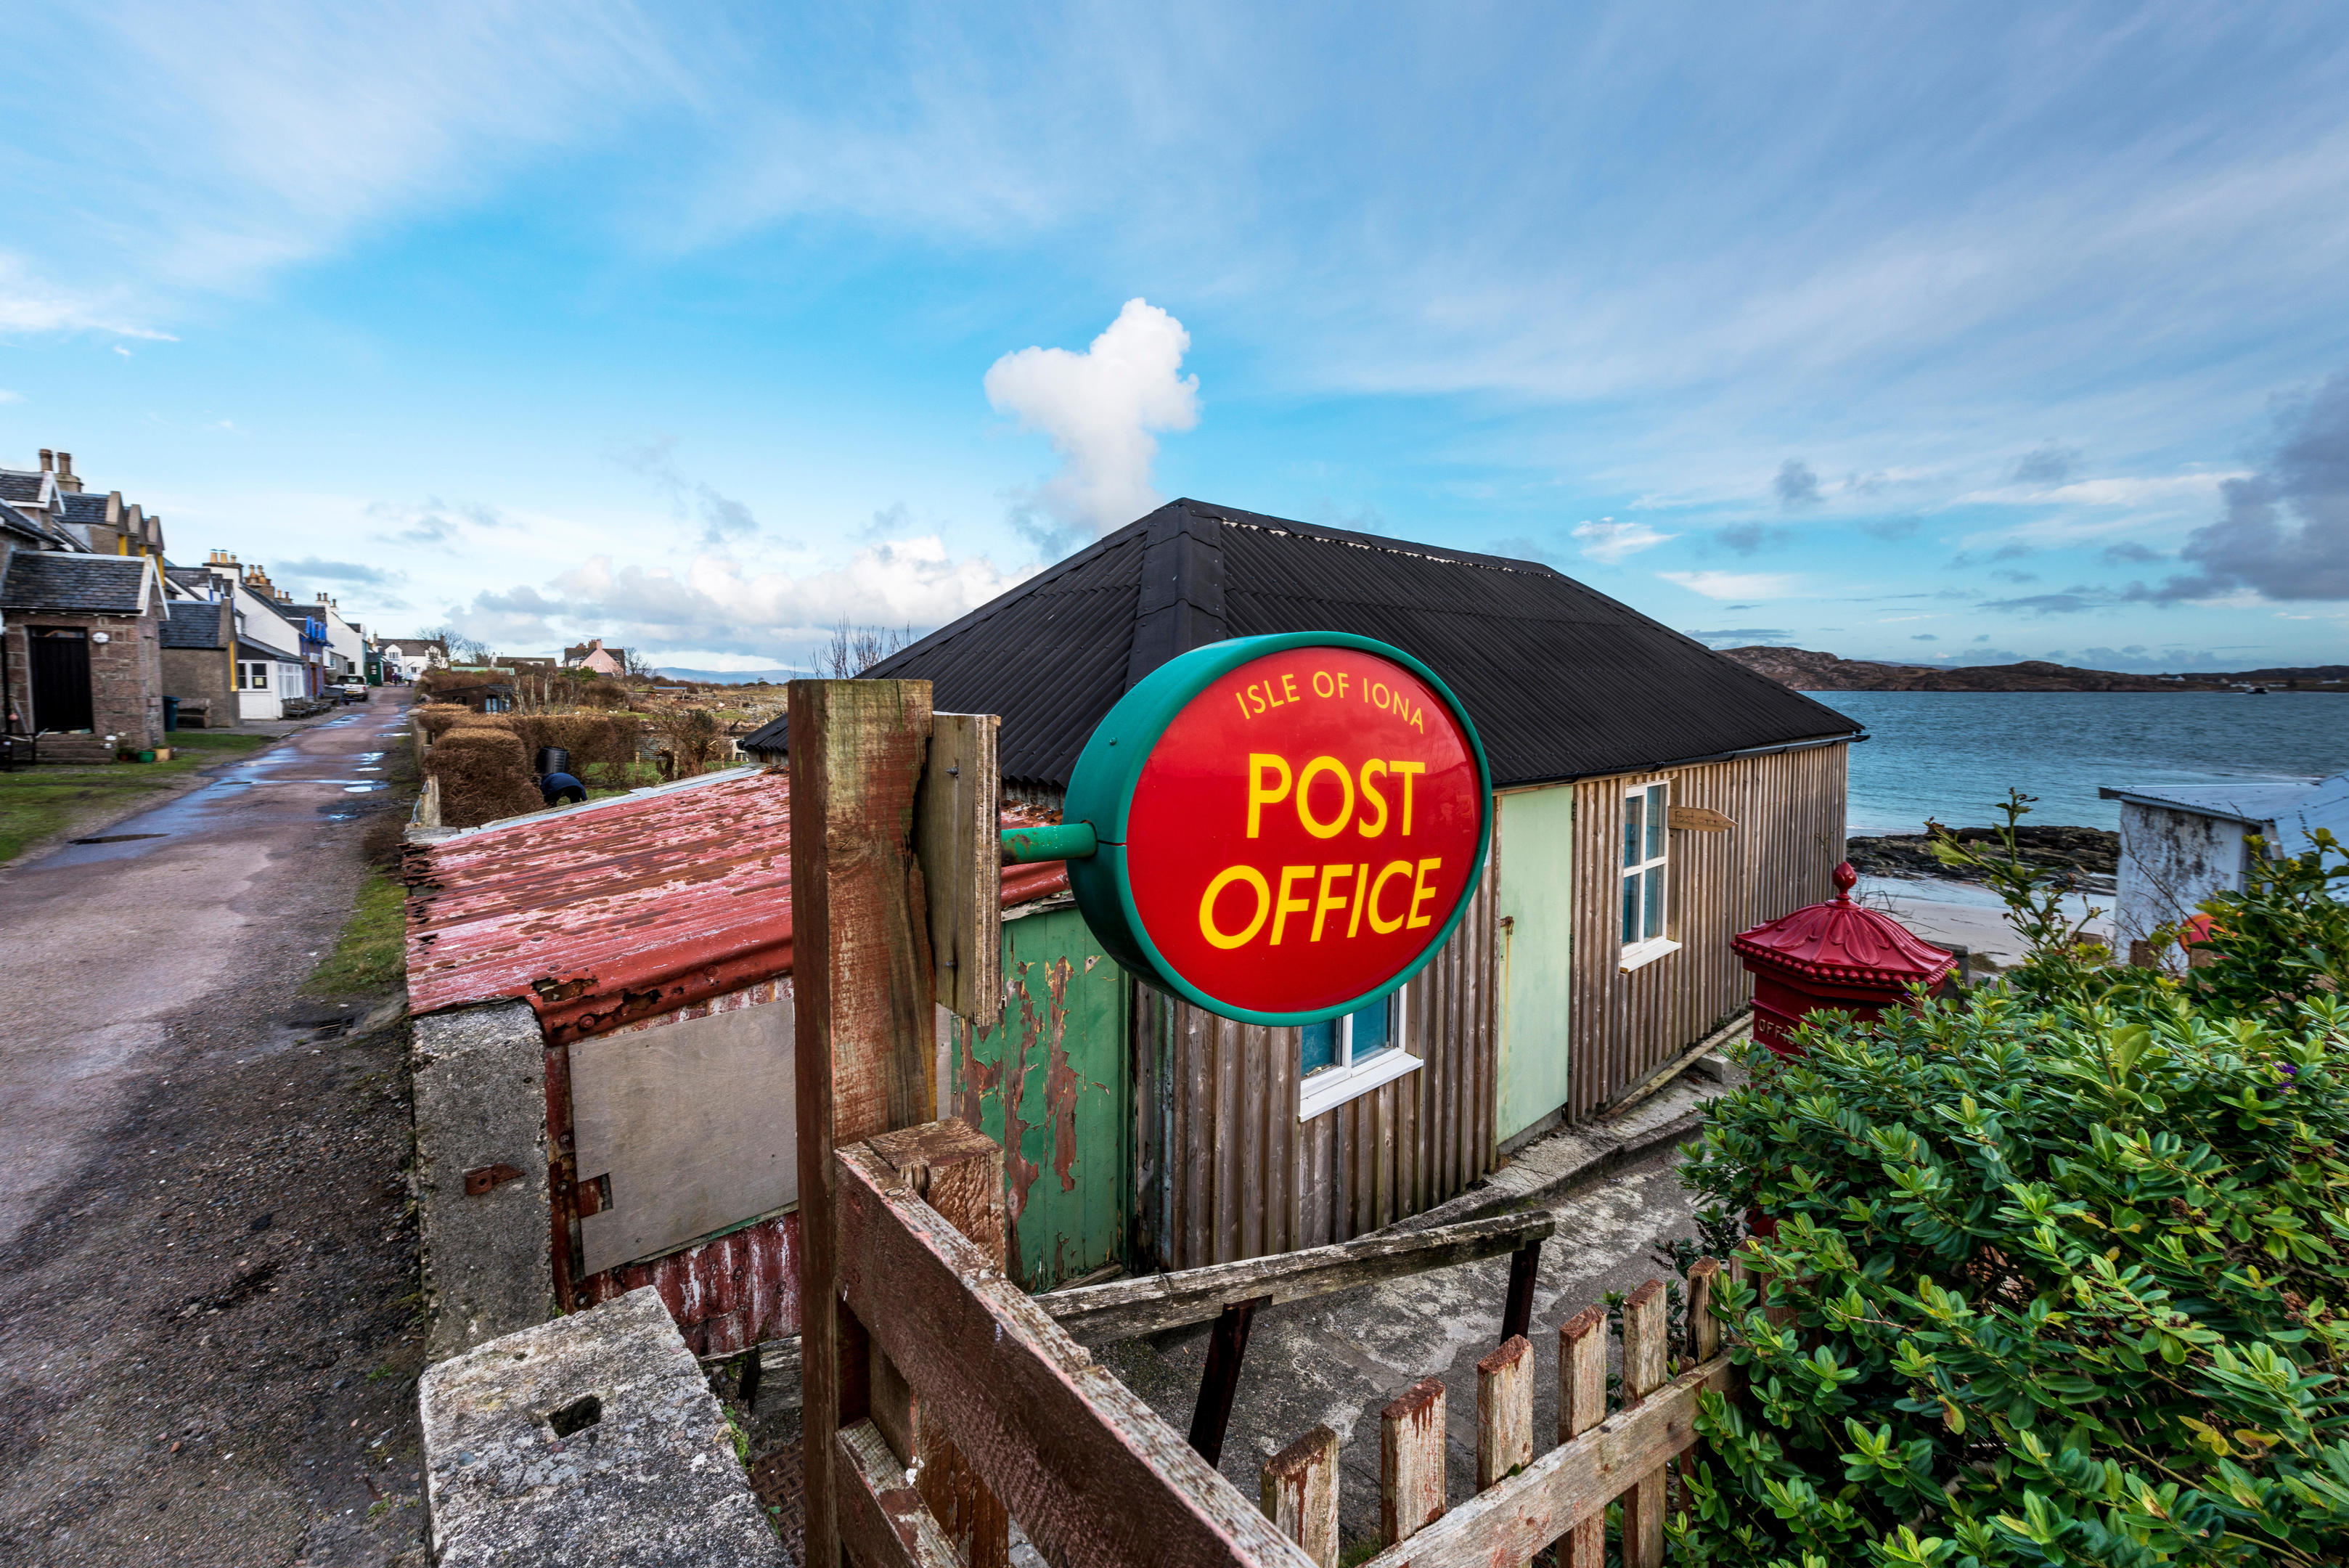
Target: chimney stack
{"x": 67, "y": 479}
{"x": 48, "y": 461}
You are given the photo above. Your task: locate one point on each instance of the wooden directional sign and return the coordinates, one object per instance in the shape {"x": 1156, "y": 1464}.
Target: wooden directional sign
{"x": 1289, "y": 827}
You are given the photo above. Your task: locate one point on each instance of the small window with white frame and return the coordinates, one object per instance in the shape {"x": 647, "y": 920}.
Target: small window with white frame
{"x": 1352, "y": 1054}
{"x": 1647, "y": 852}
{"x": 252, "y": 675}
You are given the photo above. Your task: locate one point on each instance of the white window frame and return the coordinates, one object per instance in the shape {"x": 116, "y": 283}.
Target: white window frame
{"x": 1639, "y": 953}
{"x": 253, "y": 674}
{"x": 1330, "y": 1087}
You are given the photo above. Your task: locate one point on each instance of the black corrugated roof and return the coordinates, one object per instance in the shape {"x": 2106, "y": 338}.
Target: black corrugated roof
{"x": 193, "y": 623}
{"x": 1562, "y": 681}
{"x": 62, "y": 581}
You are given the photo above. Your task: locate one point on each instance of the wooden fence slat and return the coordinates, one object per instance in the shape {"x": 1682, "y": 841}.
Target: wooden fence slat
{"x": 1582, "y": 1404}
{"x": 865, "y": 1061}
{"x": 883, "y": 1522}
{"x": 1568, "y": 1485}
{"x": 1646, "y": 1343}
{"x": 1127, "y": 1309}
{"x": 1504, "y": 1412}
{"x": 1410, "y": 1461}
{"x": 1299, "y": 1494}
{"x": 1091, "y": 1472}
{"x": 1705, "y": 1329}
{"x": 961, "y": 851}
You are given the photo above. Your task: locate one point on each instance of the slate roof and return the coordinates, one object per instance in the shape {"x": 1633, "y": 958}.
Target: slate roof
{"x": 60, "y": 580}
{"x": 190, "y": 577}
{"x": 83, "y": 506}
{"x": 16, "y": 523}
{"x": 1562, "y": 681}
{"x": 194, "y": 623}
{"x": 15, "y": 484}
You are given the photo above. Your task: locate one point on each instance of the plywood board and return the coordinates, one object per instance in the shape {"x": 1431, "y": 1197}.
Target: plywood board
{"x": 693, "y": 1123}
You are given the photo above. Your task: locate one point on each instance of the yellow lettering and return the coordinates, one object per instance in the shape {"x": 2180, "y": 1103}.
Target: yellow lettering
{"x": 1288, "y": 685}
{"x": 1391, "y": 869}
{"x": 1408, "y": 772}
{"x": 1322, "y": 685}
{"x": 1416, "y": 715}
{"x": 1341, "y": 683}
{"x": 1243, "y": 703}
{"x": 1259, "y": 763}
{"x": 1420, "y": 893}
{"x": 1325, "y": 903}
{"x": 1379, "y": 695}
{"x": 1286, "y": 906}
{"x": 1257, "y": 692}
{"x": 1207, "y": 927}
{"x": 1314, "y": 770}
{"x": 1370, "y": 795}
{"x": 1354, "y": 921}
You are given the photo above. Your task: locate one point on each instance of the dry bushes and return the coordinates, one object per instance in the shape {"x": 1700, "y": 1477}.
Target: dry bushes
{"x": 484, "y": 775}
{"x": 603, "y": 740}
{"x": 433, "y": 720}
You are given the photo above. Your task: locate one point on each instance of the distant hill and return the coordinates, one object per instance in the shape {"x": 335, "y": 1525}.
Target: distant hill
{"x": 1806, "y": 670}
{"x": 731, "y": 676}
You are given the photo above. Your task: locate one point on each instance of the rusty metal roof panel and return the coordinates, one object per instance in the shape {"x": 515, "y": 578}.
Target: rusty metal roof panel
{"x": 600, "y": 914}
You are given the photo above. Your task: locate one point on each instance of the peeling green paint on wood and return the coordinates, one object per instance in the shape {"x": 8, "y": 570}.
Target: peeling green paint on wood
{"x": 1050, "y": 1083}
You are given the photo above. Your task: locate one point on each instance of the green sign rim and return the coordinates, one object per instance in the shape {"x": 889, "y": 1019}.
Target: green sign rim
{"x": 1100, "y": 792}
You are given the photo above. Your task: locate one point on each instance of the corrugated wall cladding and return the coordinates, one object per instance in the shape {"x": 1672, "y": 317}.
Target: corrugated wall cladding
{"x": 1782, "y": 855}
{"x": 1225, "y": 1170}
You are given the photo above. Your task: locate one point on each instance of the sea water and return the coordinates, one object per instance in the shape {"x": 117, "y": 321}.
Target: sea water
{"x": 1953, "y": 755}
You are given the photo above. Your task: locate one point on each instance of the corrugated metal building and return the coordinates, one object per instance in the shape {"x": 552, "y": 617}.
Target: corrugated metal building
{"x": 1646, "y": 784}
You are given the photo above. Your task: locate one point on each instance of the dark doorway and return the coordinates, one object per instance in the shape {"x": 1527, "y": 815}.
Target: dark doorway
{"x": 60, "y": 677}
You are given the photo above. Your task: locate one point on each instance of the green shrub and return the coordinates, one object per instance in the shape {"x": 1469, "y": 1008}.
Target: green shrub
{"x": 2061, "y": 1275}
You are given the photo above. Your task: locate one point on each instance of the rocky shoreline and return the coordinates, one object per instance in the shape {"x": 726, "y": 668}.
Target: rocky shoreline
{"x": 2086, "y": 852}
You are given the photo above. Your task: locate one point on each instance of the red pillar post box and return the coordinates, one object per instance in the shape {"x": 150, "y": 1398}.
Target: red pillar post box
{"x": 1833, "y": 955}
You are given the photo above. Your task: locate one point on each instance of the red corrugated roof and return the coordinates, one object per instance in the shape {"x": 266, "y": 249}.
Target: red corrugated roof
{"x": 602, "y": 914}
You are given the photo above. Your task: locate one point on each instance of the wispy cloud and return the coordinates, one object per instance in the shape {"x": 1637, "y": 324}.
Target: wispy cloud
{"x": 1609, "y": 541}
{"x": 1735, "y": 584}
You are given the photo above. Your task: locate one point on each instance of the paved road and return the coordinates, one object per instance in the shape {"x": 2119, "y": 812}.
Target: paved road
{"x": 102, "y": 945}
{"x": 210, "y": 1330}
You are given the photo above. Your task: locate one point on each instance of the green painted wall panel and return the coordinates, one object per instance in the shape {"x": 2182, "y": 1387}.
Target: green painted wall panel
{"x": 1050, "y": 1084}
{"x": 1534, "y": 847}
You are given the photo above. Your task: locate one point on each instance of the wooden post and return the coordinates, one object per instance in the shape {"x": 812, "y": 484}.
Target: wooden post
{"x": 1221, "y": 1378}
{"x": 1525, "y": 1265}
{"x": 1645, "y": 1345}
{"x": 1705, "y": 1329}
{"x": 1504, "y": 1412}
{"x": 866, "y": 1061}
{"x": 1410, "y": 1461}
{"x": 1582, "y": 1404}
{"x": 1299, "y": 1493}
{"x": 961, "y": 851}
{"x": 959, "y": 1171}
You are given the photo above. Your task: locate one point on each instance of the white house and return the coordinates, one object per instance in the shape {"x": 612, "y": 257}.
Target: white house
{"x": 345, "y": 643}
{"x": 2182, "y": 843}
{"x": 271, "y": 664}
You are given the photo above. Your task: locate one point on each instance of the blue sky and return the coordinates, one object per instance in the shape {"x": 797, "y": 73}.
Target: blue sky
{"x": 1922, "y": 333}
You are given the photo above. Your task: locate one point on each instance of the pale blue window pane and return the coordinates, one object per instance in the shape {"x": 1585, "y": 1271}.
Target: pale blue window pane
{"x": 1630, "y": 909}
{"x": 1373, "y": 1030}
{"x": 1319, "y": 1048}
{"x": 1656, "y": 823}
{"x": 1653, "y": 925}
{"x": 1632, "y": 831}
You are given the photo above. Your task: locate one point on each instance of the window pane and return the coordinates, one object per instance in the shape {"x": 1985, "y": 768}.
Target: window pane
{"x": 1632, "y": 831}
{"x": 1630, "y": 909}
{"x": 1653, "y": 925}
{"x": 1657, "y": 822}
{"x": 1318, "y": 1049}
{"x": 1372, "y": 1031}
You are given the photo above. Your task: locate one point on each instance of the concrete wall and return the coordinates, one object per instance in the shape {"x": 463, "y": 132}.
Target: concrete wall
{"x": 480, "y": 1102}
{"x": 203, "y": 674}
{"x": 1533, "y": 846}
{"x": 2170, "y": 862}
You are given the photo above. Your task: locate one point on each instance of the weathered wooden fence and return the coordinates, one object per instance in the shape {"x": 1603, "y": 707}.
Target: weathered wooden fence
{"x": 1524, "y": 1504}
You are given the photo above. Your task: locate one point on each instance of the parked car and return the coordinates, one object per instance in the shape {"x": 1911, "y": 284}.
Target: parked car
{"x": 353, "y": 691}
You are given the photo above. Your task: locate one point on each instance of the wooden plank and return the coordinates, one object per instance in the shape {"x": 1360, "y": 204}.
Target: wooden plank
{"x": 959, "y": 841}
{"x": 1645, "y": 1347}
{"x": 1127, "y": 1309}
{"x": 883, "y": 1520}
{"x": 1697, "y": 819}
{"x": 1705, "y": 1329}
{"x": 1094, "y": 1477}
{"x": 1299, "y": 1493}
{"x": 1412, "y": 1441}
{"x": 1582, "y": 1404}
{"x": 861, "y": 1009}
{"x": 957, "y": 1171}
{"x": 1518, "y": 1314}
{"x": 1566, "y": 1486}
{"x": 1504, "y": 1412}
{"x": 1211, "y": 1413}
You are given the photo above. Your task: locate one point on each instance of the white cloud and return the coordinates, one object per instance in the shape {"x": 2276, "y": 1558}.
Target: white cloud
{"x": 1609, "y": 541}
{"x": 1734, "y": 585}
{"x": 1098, "y": 409}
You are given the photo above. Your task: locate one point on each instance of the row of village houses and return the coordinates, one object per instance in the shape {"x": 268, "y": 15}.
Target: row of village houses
{"x": 106, "y": 640}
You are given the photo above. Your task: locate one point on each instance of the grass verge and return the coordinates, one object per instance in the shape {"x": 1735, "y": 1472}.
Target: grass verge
{"x": 40, "y": 803}
{"x": 372, "y": 952}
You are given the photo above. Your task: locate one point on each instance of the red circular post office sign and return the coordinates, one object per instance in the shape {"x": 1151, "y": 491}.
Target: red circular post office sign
{"x": 1289, "y": 826}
